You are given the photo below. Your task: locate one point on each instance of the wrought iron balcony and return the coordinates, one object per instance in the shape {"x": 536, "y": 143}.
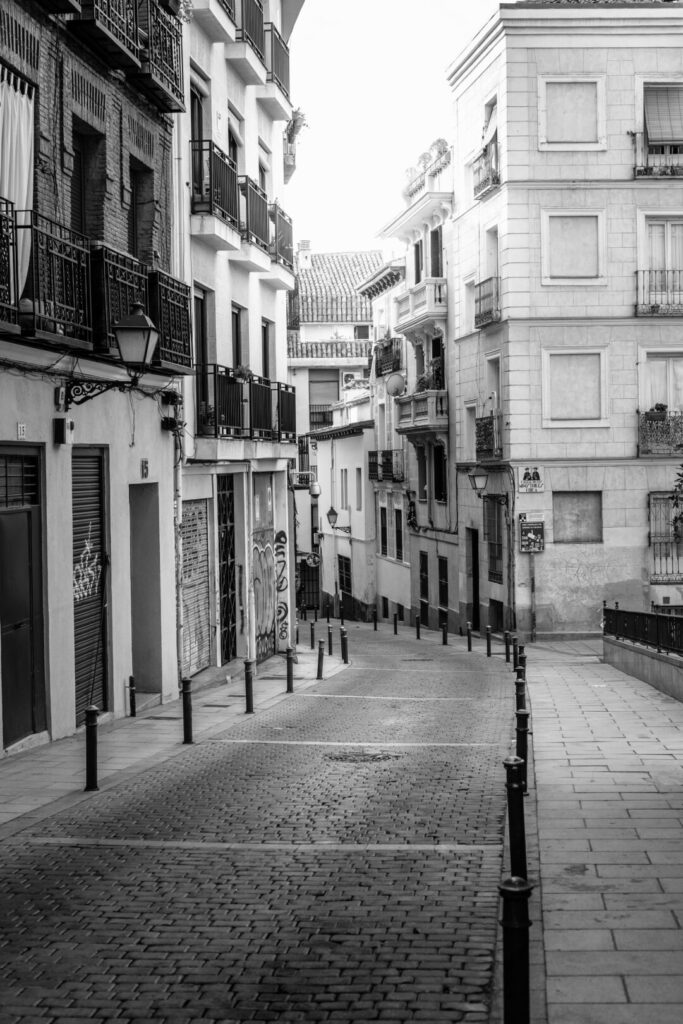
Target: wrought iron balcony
{"x": 254, "y": 408}
{"x": 161, "y": 54}
{"x": 388, "y": 356}
{"x": 488, "y": 437}
{"x": 422, "y": 304}
{"x": 282, "y": 244}
{"x": 254, "y": 220}
{"x": 277, "y": 58}
{"x": 56, "y": 304}
{"x": 9, "y": 305}
{"x": 386, "y": 465}
{"x": 169, "y": 308}
{"x": 485, "y": 172}
{"x": 117, "y": 281}
{"x": 250, "y": 26}
{"x": 657, "y": 161}
{"x": 319, "y": 416}
{"x": 335, "y": 348}
{"x": 61, "y": 6}
{"x": 214, "y": 182}
{"x": 660, "y": 293}
{"x": 660, "y": 433}
{"x": 487, "y": 302}
{"x": 423, "y": 412}
{"x": 306, "y": 465}
{"x": 111, "y": 28}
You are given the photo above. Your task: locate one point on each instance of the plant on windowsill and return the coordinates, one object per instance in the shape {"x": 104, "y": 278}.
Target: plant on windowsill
{"x": 657, "y": 412}
{"x": 243, "y": 373}
{"x": 676, "y": 499}
{"x": 431, "y": 379}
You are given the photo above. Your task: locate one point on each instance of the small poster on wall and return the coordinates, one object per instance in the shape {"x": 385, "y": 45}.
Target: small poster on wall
{"x": 530, "y": 479}
{"x": 531, "y": 532}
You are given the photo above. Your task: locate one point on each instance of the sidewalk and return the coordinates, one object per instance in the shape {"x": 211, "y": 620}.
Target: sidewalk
{"x": 46, "y": 779}
{"x": 608, "y": 774}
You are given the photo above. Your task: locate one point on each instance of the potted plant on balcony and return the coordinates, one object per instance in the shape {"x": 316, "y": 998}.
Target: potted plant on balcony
{"x": 242, "y": 372}
{"x": 657, "y": 412}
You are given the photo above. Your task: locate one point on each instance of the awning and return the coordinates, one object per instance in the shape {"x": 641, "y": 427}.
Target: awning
{"x": 664, "y": 114}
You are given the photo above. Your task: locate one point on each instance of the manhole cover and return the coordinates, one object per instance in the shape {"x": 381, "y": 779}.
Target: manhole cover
{"x": 361, "y": 756}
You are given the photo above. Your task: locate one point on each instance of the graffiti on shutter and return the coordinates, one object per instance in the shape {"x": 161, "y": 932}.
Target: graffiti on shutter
{"x": 196, "y": 590}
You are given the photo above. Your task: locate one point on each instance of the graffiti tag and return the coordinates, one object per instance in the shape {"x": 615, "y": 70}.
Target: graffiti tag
{"x": 87, "y": 570}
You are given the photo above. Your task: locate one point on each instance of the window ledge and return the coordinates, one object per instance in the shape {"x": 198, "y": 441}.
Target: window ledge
{"x": 564, "y": 424}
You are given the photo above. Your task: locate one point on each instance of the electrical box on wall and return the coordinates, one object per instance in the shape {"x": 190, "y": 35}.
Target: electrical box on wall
{"x": 63, "y": 429}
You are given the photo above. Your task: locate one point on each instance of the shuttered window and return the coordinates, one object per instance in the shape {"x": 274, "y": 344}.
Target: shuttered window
{"x": 664, "y": 114}
{"x": 90, "y": 582}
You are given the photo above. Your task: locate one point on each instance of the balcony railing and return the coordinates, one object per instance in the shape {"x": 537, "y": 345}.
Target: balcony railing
{"x": 388, "y": 357}
{"x": 61, "y": 6}
{"x": 306, "y": 463}
{"x": 117, "y": 281}
{"x": 488, "y": 437}
{"x": 111, "y": 27}
{"x": 657, "y": 161}
{"x": 343, "y": 348}
{"x": 423, "y": 411}
{"x": 277, "y": 58}
{"x": 662, "y": 632}
{"x": 229, "y": 8}
{"x": 254, "y": 223}
{"x": 282, "y": 243}
{"x": 319, "y": 416}
{"x": 660, "y": 433}
{"x": 161, "y": 54}
{"x": 9, "y": 306}
{"x": 485, "y": 172}
{"x": 231, "y": 406}
{"x": 214, "y": 182}
{"x": 169, "y": 308}
{"x": 487, "y": 302}
{"x": 422, "y": 302}
{"x": 386, "y": 465}
{"x": 55, "y": 305}
{"x": 660, "y": 293}
{"x": 251, "y": 27}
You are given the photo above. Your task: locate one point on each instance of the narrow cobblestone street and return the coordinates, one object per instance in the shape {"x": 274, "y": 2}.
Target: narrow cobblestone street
{"x": 335, "y": 857}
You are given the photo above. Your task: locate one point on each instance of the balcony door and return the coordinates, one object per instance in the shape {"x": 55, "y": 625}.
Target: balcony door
{"x": 665, "y": 249}
{"x": 197, "y": 136}
{"x": 663, "y": 382}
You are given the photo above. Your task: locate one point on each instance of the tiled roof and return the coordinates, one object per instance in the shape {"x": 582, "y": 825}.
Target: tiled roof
{"x": 326, "y": 293}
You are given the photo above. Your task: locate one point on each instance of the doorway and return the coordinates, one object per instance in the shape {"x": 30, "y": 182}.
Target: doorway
{"x": 472, "y": 555}
{"x": 145, "y": 587}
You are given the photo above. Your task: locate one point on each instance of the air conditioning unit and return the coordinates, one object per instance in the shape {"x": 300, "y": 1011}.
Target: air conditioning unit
{"x": 348, "y": 379}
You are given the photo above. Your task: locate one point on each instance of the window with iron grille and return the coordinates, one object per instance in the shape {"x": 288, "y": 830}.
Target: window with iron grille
{"x": 19, "y": 480}
{"x": 344, "y": 574}
{"x": 382, "y": 530}
{"x": 443, "y": 582}
{"x": 667, "y": 548}
{"x": 493, "y": 533}
{"x": 398, "y": 530}
{"x": 424, "y": 576}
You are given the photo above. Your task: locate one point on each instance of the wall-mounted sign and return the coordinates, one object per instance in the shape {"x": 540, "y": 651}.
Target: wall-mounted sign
{"x": 531, "y": 532}
{"x": 529, "y": 479}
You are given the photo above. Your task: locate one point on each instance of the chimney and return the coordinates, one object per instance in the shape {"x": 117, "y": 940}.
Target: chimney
{"x": 304, "y": 255}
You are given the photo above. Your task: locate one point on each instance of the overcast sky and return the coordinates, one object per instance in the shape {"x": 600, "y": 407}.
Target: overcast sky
{"x": 370, "y": 76}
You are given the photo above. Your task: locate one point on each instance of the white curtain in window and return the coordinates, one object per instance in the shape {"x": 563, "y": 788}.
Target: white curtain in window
{"x": 663, "y": 383}
{"x": 16, "y": 146}
{"x": 657, "y": 245}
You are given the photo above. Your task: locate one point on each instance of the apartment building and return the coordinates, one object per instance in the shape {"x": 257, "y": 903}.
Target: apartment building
{"x": 565, "y": 309}
{"x": 238, "y": 576}
{"x": 88, "y": 429}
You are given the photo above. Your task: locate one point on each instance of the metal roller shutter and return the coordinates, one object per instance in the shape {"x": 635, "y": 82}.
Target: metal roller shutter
{"x": 196, "y": 590}
{"x": 89, "y": 582}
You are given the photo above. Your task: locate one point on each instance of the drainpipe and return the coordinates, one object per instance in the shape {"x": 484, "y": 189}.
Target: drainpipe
{"x": 249, "y": 564}
{"x": 178, "y": 450}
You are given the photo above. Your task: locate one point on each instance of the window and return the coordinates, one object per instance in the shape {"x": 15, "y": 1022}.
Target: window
{"x": 662, "y": 380}
{"x": 385, "y": 607}
{"x": 265, "y": 347}
{"x": 661, "y": 283}
{"x": 361, "y": 332}
{"x": 435, "y": 253}
{"x": 573, "y": 247}
{"x": 418, "y": 259}
{"x": 201, "y": 350}
{"x": 574, "y": 387}
{"x": 421, "y": 472}
{"x": 440, "y": 473}
{"x": 577, "y": 517}
{"x": 493, "y": 534}
{"x": 382, "y": 530}
{"x": 344, "y": 488}
{"x": 663, "y": 107}
{"x": 141, "y": 212}
{"x": 398, "y": 531}
{"x": 236, "y": 326}
{"x": 424, "y": 588}
{"x": 493, "y": 381}
{"x": 667, "y": 549}
{"x": 470, "y": 432}
{"x": 442, "y": 564}
{"x": 571, "y": 112}
{"x": 233, "y": 147}
{"x": 262, "y": 178}
{"x": 359, "y": 489}
{"x": 345, "y": 574}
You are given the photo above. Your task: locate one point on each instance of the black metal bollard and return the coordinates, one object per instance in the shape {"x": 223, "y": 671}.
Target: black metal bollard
{"x": 186, "y": 685}
{"x": 374, "y": 619}
{"x": 328, "y": 610}
{"x": 515, "y": 921}
{"x": 341, "y": 613}
{"x": 321, "y": 658}
{"x": 249, "y": 686}
{"x": 488, "y": 641}
{"x": 522, "y": 744}
{"x": 444, "y": 635}
{"x": 395, "y": 623}
{"x": 520, "y": 693}
{"x": 469, "y": 636}
{"x": 417, "y": 626}
{"x": 91, "y": 714}
{"x": 506, "y": 637}
{"x": 290, "y": 670}
{"x": 312, "y": 636}
{"x": 515, "y": 652}
{"x": 315, "y": 614}
{"x": 329, "y": 640}
{"x": 131, "y": 696}
{"x": 515, "y": 799}
{"x": 521, "y": 662}
{"x": 345, "y": 646}
{"x": 520, "y": 653}
{"x": 296, "y": 641}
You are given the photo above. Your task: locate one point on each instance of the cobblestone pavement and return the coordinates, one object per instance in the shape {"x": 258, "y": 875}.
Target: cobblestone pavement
{"x": 335, "y": 857}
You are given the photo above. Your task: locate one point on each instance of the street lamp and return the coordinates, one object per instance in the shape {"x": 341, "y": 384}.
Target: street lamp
{"x": 479, "y": 478}
{"x": 332, "y": 516}
{"x": 136, "y": 339}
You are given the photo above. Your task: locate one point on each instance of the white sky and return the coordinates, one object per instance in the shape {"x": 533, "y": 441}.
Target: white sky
{"x": 370, "y": 76}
